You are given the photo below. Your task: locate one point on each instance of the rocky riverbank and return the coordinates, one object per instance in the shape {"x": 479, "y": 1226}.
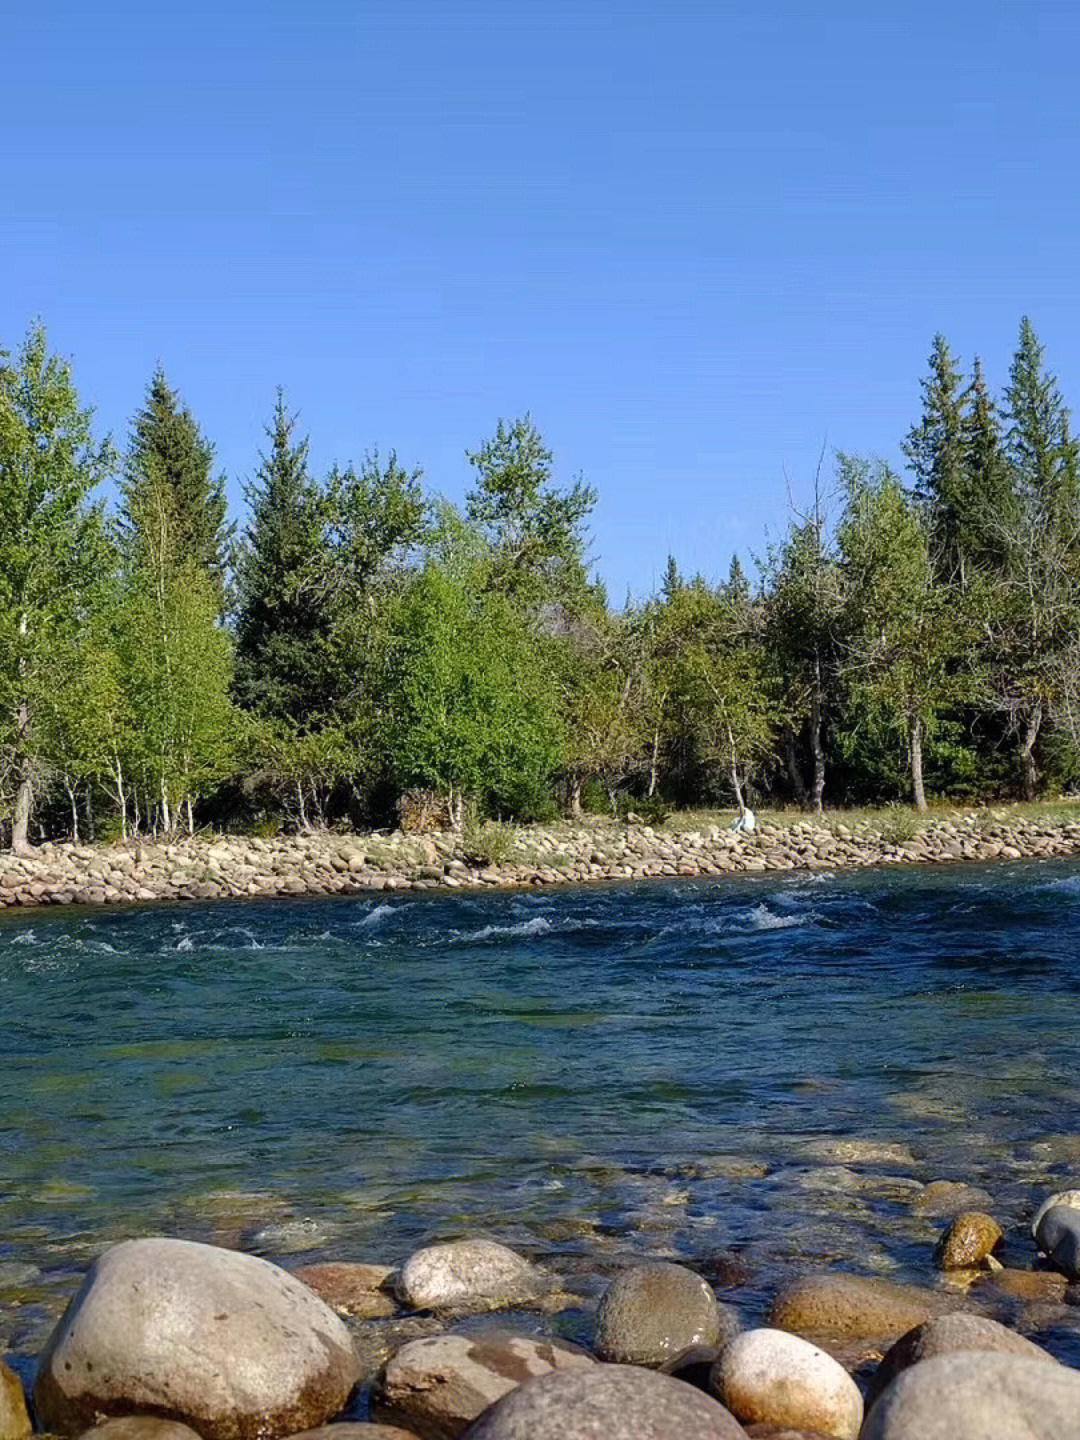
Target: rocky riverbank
{"x": 168, "y": 1339}
{"x": 329, "y": 863}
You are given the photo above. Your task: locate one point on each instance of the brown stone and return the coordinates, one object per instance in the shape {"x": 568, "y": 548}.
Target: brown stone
{"x": 438, "y": 1386}
{"x": 1046, "y": 1285}
{"x": 852, "y": 1308}
{"x": 968, "y": 1241}
{"x": 363, "y": 1291}
{"x": 14, "y": 1418}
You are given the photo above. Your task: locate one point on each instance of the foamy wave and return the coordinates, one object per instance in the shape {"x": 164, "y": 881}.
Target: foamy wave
{"x": 539, "y": 925}
{"x": 376, "y": 916}
{"x": 762, "y": 918}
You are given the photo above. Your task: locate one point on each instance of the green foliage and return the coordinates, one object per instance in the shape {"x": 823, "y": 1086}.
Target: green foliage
{"x": 486, "y": 842}
{"x": 466, "y": 704}
{"x": 535, "y": 531}
{"x": 53, "y": 552}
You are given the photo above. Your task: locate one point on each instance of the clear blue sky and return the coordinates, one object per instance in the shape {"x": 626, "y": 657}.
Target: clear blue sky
{"x": 696, "y": 240}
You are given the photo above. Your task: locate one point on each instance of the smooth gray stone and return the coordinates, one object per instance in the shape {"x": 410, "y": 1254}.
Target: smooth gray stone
{"x": 609, "y": 1402}
{"x": 226, "y": 1343}
{"x": 1058, "y": 1237}
{"x": 978, "y": 1396}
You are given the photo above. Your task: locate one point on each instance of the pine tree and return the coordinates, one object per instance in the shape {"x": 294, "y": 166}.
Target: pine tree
{"x": 281, "y": 628}
{"x": 936, "y": 450}
{"x": 1043, "y": 548}
{"x": 993, "y": 508}
{"x": 173, "y": 510}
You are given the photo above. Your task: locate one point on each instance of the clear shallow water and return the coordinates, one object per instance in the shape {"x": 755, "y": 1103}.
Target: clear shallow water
{"x": 585, "y": 1074}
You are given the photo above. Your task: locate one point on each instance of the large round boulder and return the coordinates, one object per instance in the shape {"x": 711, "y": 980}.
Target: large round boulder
{"x": 771, "y": 1377}
{"x": 468, "y": 1274}
{"x": 608, "y": 1402}
{"x": 978, "y": 1396}
{"x": 948, "y": 1335}
{"x": 652, "y": 1314}
{"x": 140, "y": 1427}
{"x": 223, "y": 1342}
{"x": 437, "y": 1386}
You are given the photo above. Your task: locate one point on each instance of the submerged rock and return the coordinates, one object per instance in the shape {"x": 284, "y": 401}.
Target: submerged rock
{"x": 224, "y": 1342}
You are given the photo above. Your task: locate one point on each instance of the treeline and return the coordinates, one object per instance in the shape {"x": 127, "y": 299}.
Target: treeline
{"x": 362, "y": 640}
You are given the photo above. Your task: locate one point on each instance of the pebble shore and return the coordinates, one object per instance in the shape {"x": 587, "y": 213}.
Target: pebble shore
{"x": 330, "y": 863}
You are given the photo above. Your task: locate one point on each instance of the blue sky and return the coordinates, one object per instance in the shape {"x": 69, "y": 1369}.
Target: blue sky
{"x": 696, "y": 241}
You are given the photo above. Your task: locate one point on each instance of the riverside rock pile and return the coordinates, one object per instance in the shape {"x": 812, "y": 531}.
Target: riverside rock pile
{"x": 211, "y": 868}
{"x": 172, "y": 1340}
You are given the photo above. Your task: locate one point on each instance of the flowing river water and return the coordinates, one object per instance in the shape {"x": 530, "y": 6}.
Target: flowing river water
{"x": 746, "y": 1075}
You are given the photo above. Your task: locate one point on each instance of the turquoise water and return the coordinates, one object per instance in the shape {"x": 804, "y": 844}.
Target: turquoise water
{"x": 585, "y": 1074}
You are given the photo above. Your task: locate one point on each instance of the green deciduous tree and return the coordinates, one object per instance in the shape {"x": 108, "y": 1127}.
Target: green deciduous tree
{"x": 904, "y": 644}
{"x": 536, "y": 531}
{"x": 52, "y": 551}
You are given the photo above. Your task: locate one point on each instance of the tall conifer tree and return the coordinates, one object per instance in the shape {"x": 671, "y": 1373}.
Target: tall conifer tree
{"x": 280, "y": 628}
{"x": 173, "y": 512}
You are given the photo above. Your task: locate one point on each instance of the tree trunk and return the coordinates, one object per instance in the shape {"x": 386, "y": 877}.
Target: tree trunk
{"x": 166, "y": 817}
{"x": 795, "y": 775}
{"x": 190, "y": 817}
{"x": 73, "y": 797}
{"x": 575, "y": 796}
{"x": 654, "y": 762}
{"x": 20, "y": 820}
{"x": 1029, "y": 775}
{"x": 817, "y": 750}
{"x": 736, "y": 783}
{"x": 917, "y": 763}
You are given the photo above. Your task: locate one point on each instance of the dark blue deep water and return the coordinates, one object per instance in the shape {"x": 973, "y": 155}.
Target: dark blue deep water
{"x": 586, "y": 1074}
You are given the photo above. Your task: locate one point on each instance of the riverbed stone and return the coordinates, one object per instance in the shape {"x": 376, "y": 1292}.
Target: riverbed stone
{"x": 650, "y": 1314}
{"x": 364, "y": 1292}
{"x": 1070, "y": 1198}
{"x": 224, "y": 1342}
{"x": 947, "y": 1335}
{"x": 356, "y": 1430}
{"x": 1058, "y": 1237}
{"x": 847, "y": 1308}
{"x": 473, "y": 1273}
{"x": 970, "y": 1238}
{"x": 436, "y": 1387}
{"x": 140, "y": 1427}
{"x": 978, "y": 1396}
{"x": 1045, "y": 1286}
{"x": 14, "y": 1417}
{"x": 768, "y": 1376}
{"x": 608, "y": 1402}
{"x": 949, "y": 1197}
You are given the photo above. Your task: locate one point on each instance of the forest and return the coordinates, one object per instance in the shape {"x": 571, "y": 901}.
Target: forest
{"x": 361, "y": 640}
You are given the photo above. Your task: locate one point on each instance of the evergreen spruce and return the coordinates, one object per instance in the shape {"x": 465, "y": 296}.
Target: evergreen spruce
{"x": 280, "y": 628}
{"x": 173, "y": 507}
